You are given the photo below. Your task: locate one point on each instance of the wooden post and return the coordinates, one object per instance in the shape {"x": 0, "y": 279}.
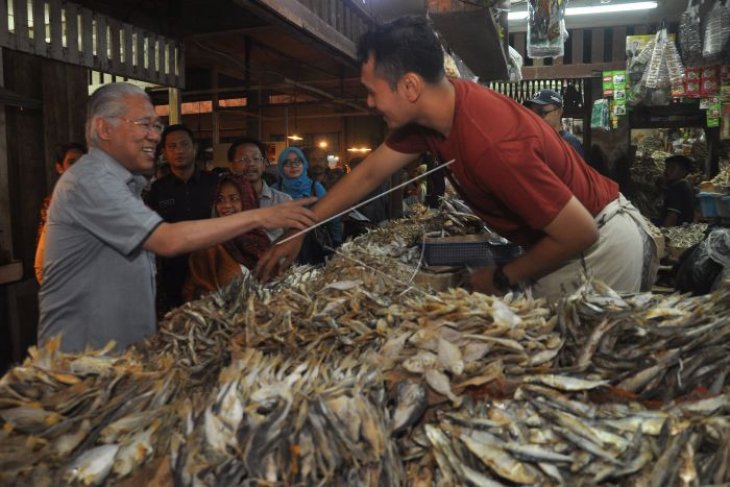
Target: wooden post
{"x": 173, "y": 95}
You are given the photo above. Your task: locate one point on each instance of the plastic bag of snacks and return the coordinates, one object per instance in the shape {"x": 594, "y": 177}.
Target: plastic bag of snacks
{"x": 546, "y": 32}
{"x": 689, "y": 36}
{"x": 717, "y": 32}
{"x": 515, "y": 65}
{"x": 663, "y": 77}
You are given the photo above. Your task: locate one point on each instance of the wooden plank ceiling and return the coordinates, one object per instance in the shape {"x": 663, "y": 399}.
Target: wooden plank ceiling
{"x": 248, "y": 45}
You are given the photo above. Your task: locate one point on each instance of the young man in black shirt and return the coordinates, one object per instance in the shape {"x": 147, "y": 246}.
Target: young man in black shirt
{"x": 184, "y": 194}
{"x": 679, "y": 197}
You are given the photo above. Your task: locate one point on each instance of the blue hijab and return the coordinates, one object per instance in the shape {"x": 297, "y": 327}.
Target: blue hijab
{"x": 300, "y": 187}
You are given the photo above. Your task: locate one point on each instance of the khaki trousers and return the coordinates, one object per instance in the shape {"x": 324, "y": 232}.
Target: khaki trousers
{"x": 624, "y": 257}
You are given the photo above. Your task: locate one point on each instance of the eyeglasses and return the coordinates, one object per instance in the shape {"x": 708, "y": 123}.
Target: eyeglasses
{"x": 249, "y": 160}
{"x": 545, "y": 113}
{"x": 293, "y": 162}
{"x": 147, "y": 125}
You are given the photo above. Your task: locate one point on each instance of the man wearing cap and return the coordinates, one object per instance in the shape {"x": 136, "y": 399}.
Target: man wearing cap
{"x": 548, "y": 104}
{"x": 513, "y": 170}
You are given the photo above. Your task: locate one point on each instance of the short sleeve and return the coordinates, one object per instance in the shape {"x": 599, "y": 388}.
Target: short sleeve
{"x": 518, "y": 176}
{"x": 108, "y": 209}
{"x": 407, "y": 140}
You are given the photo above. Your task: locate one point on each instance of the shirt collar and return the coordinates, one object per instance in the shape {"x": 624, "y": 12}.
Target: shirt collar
{"x": 136, "y": 182}
{"x": 266, "y": 191}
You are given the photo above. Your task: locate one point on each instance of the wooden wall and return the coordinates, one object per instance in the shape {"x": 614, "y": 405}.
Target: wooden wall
{"x": 32, "y": 136}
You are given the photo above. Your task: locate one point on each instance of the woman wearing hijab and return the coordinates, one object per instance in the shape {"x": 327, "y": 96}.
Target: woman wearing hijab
{"x": 292, "y": 168}
{"x": 217, "y": 266}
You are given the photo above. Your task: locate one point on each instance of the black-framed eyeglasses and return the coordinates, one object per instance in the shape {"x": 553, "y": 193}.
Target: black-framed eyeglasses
{"x": 545, "y": 113}
{"x": 249, "y": 160}
{"x": 293, "y": 162}
{"x": 146, "y": 124}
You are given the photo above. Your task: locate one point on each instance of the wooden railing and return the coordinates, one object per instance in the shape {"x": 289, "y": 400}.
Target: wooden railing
{"x": 70, "y": 33}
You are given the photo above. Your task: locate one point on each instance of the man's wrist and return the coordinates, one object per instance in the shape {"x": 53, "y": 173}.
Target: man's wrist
{"x": 501, "y": 281}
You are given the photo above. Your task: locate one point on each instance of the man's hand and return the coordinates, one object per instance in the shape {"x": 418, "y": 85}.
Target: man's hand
{"x": 291, "y": 214}
{"x": 482, "y": 281}
{"x": 278, "y": 258}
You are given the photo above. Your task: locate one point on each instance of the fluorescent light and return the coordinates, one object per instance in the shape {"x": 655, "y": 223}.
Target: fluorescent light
{"x": 294, "y": 137}
{"x": 609, "y": 8}
{"x": 596, "y": 9}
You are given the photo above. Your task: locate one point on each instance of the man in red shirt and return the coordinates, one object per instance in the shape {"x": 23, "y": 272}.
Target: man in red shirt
{"x": 510, "y": 166}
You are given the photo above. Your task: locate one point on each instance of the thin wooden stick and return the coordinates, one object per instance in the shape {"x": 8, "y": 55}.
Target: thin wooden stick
{"x": 343, "y": 212}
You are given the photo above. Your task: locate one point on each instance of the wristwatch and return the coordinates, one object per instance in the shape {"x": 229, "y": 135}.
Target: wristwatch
{"x": 501, "y": 281}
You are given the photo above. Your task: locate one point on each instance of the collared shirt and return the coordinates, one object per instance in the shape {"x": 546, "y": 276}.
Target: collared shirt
{"x": 271, "y": 197}
{"x": 176, "y": 200}
{"x": 98, "y": 281}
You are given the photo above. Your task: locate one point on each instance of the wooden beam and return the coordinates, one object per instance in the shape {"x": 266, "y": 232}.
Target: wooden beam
{"x": 300, "y": 16}
{"x": 577, "y": 45}
{"x": 597, "y": 45}
{"x": 569, "y": 70}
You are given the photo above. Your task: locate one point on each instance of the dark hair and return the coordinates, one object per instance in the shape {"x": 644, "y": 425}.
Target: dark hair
{"x": 62, "y": 149}
{"x": 245, "y": 140}
{"x": 178, "y": 127}
{"x": 407, "y": 44}
{"x": 684, "y": 162}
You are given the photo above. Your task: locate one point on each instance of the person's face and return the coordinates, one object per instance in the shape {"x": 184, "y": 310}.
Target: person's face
{"x": 317, "y": 162}
{"x": 391, "y": 104}
{"x": 179, "y": 150}
{"x": 673, "y": 172}
{"x": 248, "y": 162}
{"x": 71, "y": 156}
{"x": 293, "y": 166}
{"x": 134, "y": 138}
{"x": 550, "y": 113}
{"x": 228, "y": 200}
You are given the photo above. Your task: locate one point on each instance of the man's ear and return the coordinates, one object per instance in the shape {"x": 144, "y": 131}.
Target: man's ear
{"x": 412, "y": 86}
{"x": 103, "y": 128}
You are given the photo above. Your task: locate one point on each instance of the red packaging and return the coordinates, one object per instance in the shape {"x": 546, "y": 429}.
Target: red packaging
{"x": 692, "y": 82}
{"x": 710, "y": 81}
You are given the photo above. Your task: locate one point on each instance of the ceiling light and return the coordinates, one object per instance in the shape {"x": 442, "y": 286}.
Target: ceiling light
{"x": 294, "y": 137}
{"x": 617, "y": 8}
{"x": 322, "y": 144}
{"x": 596, "y": 9}
{"x": 359, "y": 149}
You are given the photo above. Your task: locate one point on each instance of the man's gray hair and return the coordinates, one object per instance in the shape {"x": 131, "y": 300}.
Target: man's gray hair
{"x": 108, "y": 102}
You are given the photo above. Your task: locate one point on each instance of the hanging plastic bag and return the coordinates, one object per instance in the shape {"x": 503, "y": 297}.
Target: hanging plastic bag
{"x": 717, "y": 32}
{"x": 546, "y": 32}
{"x": 689, "y": 36}
{"x": 663, "y": 77}
{"x": 600, "y": 115}
{"x": 515, "y": 65}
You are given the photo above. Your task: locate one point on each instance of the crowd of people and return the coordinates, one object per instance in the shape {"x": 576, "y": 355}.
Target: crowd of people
{"x": 512, "y": 164}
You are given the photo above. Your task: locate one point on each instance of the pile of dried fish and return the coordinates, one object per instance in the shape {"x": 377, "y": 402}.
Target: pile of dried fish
{"x": 658, "y": 347}
{"x": 82, "y": 418}
{"x": 723, "y": 177}
{"x": 274, "y": 421}
{"x": 468, "y": 340}
{"x": 685, "y": 236}
{"x": 400, "y": 238}
{"x": 547, "y": 437}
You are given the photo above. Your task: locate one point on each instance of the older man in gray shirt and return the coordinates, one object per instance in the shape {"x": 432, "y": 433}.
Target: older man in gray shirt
{"x": 98, "y": 265}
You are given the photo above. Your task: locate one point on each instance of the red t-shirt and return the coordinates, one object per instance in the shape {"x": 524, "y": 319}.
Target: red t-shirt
{"x": 511, "y": 167}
